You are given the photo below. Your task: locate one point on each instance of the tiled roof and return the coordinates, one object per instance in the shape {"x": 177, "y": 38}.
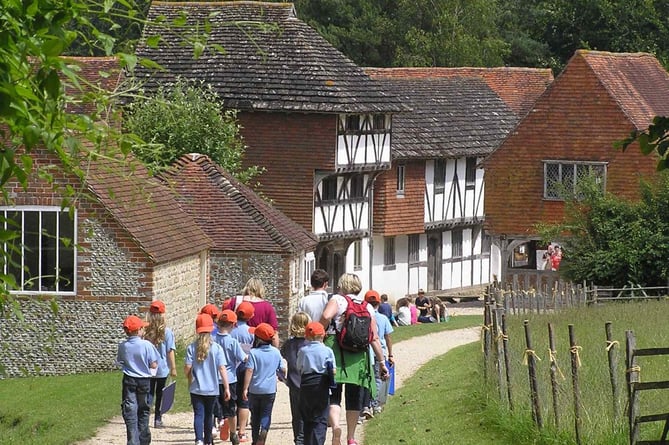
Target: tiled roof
{"x": 146, "y": 209}
{"x": 267, "y": 59}
{"x": 451, "y": 117}
{"x": 636, "y": 81}
{"x": 234, "y": 216}
{"x": 518, "y": 87}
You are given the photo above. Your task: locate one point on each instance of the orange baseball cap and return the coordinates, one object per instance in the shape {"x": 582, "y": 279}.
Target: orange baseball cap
{"x": 314, "y": 329}
{"x": 204, "y": 323}
{"x": 133, "y": 323}
{"x": 372, "y": 296}
{"x": 157, "y": 307}
{"x": 246, "y": 310}
{"x": 228, "y": 315}
{"x": 210, "y": 309}
{"x": 263, "y": 331}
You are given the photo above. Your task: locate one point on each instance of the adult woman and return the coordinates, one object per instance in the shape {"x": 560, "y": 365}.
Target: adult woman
{"x": 254, "y": 293}
{"x": 353, "y": 368}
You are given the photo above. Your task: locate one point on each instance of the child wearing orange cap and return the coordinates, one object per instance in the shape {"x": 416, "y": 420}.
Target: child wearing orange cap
{"x": 234, "y": 356}
{"x": 316, "y": 364}
{"x": 212, "y": 311}
{"x": 162, "y": 338}
{"x": 262, "y": 367}
{"x": 245, "y": 311}
{"x": 205, "y": 368}
{"x": 139, "y": 360}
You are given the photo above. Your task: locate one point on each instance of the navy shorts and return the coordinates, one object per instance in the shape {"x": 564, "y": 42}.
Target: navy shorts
{"x": 229, "y": 408}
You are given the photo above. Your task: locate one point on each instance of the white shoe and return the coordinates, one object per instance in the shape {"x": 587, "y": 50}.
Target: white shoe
{"x": 199, "y": 442}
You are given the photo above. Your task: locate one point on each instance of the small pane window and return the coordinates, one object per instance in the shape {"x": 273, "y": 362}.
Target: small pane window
{"x": 562, "y": 179}
{"x": 414, "y": 248}
{"x": 43, "y": 258}
{"x": 357, "y": 255}
{"x": 439, "y": 175}
{"x": 389, "y": 251}
{"x": 379, "y": 122}
{"x": 353, "y": 122}
{"x": 470, "y": 172}
{"x": 329, "y": 189}
{"x": 357, "y": 187}
{"x": 400, "y": 179}
{"x": 456, "y": 243}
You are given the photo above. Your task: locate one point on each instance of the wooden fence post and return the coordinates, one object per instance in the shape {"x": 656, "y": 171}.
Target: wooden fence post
{"x": 613, "y": 365}
{"x": 575, "y": 364}
{"x": 497, "y": 335}
{"x": 632, "y": 376}
{"x": 507, "y": 365}
{"x": 486, "y": 338}
{"x": 554, "y": 371}
{"x": 530, "y": 356}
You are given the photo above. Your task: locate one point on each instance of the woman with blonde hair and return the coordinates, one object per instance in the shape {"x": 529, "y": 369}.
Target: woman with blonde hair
{"x": 205, "y": 365}
{"x": 162, "y": 338}
{"x": 353, "y": 368}
{"x": 254, "y": 292}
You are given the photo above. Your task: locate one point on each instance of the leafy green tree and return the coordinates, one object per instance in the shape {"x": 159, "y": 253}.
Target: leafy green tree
{"x": 655, "y": 139}
{"x": 612, "y": 241}
{"x": 183, "y": 118}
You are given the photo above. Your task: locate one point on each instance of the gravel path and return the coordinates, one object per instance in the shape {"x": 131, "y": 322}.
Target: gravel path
{"x": 409, "y": 355}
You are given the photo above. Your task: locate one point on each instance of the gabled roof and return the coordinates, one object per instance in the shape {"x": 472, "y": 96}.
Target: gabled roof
{"x": 234, "y": 216}
{"x": 518, "y": 87}
{"x": 146, "y": 209}
{"x": 636, "y": 81}
{"x": 267, "y": 59}
{"x": 459, "y": 116}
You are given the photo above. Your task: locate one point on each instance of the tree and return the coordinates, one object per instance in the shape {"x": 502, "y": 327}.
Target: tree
{"x": 183, "y": 118}
{"x": 655, "y": 139}
{"x": 611, "y": 241}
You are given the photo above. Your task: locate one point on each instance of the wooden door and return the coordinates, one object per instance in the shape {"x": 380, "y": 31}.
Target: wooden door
{"x": 434, "y": 258}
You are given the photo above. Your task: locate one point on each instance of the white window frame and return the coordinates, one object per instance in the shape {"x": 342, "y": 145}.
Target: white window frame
{"x": 35, "y": 285}
{"x": 401, "y": 172}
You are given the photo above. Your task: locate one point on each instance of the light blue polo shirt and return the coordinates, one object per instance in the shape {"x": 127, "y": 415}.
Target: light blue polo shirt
{"x": 234, "y": 354}
{"x": 265, "y": 362}
{"x": 242, "y": 335}
{"x": 135, "y": 356}
{"x": 163, "y": 348}
{"x": 205, "y": 373}
{"x": 385, "y": 328}
{"x": 313, "y": 358}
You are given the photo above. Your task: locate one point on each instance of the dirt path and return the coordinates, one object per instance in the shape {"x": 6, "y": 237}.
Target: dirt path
{"x": 410, "y": 355}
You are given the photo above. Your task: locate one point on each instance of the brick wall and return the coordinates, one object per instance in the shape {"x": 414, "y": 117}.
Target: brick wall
{"x": 400, "y": 214}
{"x": 291, "y": 147}
{"x": 576, "y": 119}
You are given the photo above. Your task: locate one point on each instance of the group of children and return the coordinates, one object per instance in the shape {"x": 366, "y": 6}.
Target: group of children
{"x": 231, "y": 369}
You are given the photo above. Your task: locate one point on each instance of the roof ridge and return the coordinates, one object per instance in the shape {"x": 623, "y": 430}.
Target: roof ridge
{"x": 239, "y": 192}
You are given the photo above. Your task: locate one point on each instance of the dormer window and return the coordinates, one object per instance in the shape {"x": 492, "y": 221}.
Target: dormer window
{"x": 379, "y": 122}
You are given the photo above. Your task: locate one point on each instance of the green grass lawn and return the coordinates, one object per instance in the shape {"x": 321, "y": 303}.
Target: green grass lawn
{"x": 67, "y": 409}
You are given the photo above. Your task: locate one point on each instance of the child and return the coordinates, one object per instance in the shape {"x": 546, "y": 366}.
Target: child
{"x": 316, "y": 365}
{"x": 245, "y": 311}
{"x": 212, "y": 311}
{"x": 289, "y": 350}
{"x": 260, "y": 381}
{"x": 205, "y": 362}
{"x": 139, "y": 360}
{"x": 163, "y": 339}
{"x": 234, "y": 356}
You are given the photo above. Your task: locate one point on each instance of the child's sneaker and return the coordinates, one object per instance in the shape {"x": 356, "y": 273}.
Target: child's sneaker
{"x": 234, "y": 438}
{"x": 367, "y": 413}
{"x": 352, "y": 442}
{"x": 224, "y": 428}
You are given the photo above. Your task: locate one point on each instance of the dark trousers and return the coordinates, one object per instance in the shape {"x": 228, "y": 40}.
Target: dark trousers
{"x": 261, "y": 413}
{"x": 136, "y": 409}
{"x": 314, "y": 406}
{"x": 156, "y": 392}
{"x": 298, "y": 424}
